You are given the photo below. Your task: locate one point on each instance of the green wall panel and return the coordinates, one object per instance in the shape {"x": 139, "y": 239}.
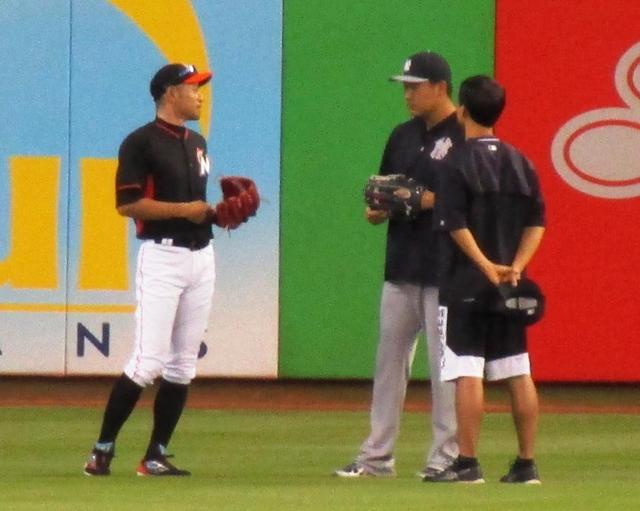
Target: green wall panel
{"x": 338, "y": 110}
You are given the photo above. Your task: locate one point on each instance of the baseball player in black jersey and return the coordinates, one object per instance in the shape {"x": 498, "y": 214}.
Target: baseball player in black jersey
{"x": 416, "y": 148}
{"x": 161, "y": 184}
{"x": 492, "y": 213}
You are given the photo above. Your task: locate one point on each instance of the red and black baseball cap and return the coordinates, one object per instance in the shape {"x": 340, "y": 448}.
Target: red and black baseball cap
{"x": 426, "y": 66}
{"x": 176, "y": 74}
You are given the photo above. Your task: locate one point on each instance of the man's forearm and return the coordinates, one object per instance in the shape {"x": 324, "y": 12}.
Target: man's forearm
{"x": 467, "y": 243}
{"x": 529, "y": 243}
{"x": 495, "y": 273}
{"x": 149, "y": 209}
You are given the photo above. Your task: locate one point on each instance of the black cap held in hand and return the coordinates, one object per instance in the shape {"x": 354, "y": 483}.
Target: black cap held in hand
{"x": 426, "y": 66}
{"x": 175, "y": 74}
{"x": 524, "y": 302}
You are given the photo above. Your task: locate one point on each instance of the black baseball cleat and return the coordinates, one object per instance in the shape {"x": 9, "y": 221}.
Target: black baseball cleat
{"x": 456, "y": 474}
{"x": 522, "y": 472}
{"x": 98, "y": 463}
{"x": 159, "y": 466}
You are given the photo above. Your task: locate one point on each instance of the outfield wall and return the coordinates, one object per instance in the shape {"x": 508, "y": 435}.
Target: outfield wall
{"x": 300, "y": 102}
{"x": 339, "y": 108}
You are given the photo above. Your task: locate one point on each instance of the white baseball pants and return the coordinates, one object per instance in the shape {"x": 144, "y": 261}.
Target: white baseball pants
{"x": 174, "y": 291}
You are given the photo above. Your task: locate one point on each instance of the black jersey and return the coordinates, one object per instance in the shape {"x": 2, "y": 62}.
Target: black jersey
{"x": 167, "y": 163}
{"x": 419, "y": 153}
{"x": 493, "y": 190}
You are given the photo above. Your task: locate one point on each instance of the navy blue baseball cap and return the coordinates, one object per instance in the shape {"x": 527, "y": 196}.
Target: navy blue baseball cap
{"x": 426, "y": 66}
{"x": 176, "y": 74}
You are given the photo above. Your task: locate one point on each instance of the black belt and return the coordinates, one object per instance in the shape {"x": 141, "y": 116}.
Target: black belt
{"x": 183, "y": 243}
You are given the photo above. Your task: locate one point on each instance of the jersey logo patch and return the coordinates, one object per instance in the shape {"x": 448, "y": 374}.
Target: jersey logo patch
{"x": 203, "y": 161}
{"x": 441, "y": 148}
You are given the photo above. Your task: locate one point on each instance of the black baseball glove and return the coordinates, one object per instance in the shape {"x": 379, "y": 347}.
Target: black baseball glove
{"x": 400, "y": 196}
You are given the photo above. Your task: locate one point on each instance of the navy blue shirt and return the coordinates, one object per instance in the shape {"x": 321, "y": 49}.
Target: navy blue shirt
{"x": 167, "y": 163}
{"x": 419, "y": 153}
{"x": 491, "y": 189}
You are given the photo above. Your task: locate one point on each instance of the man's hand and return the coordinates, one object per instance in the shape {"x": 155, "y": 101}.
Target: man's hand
{"x": 375, "y": 216}
{"x": 500, "y": 273}
{"x": 512, "y": 276}
{"x": 427, "y": 200}
{"x": 495, "y": 273}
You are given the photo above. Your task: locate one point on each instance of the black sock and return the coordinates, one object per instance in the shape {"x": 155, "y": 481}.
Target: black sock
{"x": 466, "y": 462}
{"x": 167, "y": 409}
{"x": 124, "y": 396}
{"x": 523, "y": 462}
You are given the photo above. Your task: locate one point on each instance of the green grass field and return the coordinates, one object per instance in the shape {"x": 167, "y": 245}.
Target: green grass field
{"x": 283, "y": 461}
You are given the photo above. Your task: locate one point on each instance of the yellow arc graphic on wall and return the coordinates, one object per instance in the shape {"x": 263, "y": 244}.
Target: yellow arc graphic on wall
{"x": 174, "y": 28}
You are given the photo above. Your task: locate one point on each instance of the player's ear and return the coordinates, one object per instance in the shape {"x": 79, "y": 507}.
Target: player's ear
{"x": 443, "y": 88}
{"x": 170, "y": 93}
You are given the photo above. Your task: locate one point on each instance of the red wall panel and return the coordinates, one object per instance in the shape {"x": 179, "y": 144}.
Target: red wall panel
{"x": 559, "y": 62}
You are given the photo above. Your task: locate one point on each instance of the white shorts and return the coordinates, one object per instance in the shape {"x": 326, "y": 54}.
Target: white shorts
{"x": 481, "y": 345}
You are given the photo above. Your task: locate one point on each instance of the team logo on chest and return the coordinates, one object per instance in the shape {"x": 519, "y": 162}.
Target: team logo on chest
{"x": 203, "y": 161}
{"x": 441, "y": 148}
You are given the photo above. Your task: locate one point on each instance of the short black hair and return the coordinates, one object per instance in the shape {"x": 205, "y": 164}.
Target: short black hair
{"x": 484, "y": 98}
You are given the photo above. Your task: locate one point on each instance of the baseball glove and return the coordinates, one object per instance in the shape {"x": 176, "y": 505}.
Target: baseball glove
{"x": 240, "y": 200}
{"x": 400, "y": 196}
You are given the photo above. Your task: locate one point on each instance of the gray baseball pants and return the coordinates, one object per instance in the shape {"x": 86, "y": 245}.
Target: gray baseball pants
{"x": 405, "y": 310}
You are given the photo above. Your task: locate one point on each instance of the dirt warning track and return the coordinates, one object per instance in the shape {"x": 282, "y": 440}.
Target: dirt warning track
{"x": 288, "y": 395}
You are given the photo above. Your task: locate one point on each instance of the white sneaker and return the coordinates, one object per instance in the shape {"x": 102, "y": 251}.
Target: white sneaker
{"x": 429, "y": 472}
{"x": 351, "y": 470}
{"x": 356, "y": 469}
